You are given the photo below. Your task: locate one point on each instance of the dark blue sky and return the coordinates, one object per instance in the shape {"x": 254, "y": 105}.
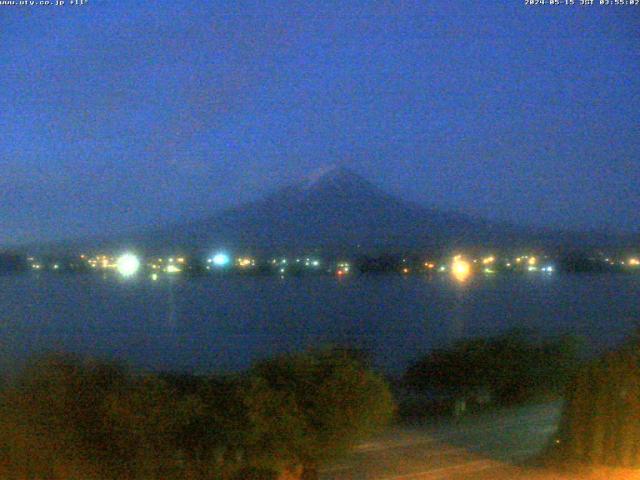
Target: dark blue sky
{"x": 121, "y": 114}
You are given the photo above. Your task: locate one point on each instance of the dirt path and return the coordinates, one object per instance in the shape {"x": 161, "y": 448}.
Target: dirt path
{"x": 492, "y": 446}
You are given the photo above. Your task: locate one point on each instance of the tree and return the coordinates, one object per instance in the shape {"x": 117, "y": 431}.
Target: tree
{"x": 337, "y": 401}
{"x": 510, "y": 366}
{"x": 70, "y": 418}
{"x": 601, "y": 419}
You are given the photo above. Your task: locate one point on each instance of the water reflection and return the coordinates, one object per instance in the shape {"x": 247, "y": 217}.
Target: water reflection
{"x": 172, "y": 316}
{"x": 228, "y": 322}
{"x": 457, "y": 324}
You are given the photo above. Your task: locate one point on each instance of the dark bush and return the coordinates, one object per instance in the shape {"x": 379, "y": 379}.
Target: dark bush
{"x": 510, "y": 367}
{"x": 69, "y": 418}
{"x": 601, "y": 419}
{"x": 337, "y": 401}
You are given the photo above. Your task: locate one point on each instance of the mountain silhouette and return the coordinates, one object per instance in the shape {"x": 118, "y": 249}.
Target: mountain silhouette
{"x": 338, "y": 209}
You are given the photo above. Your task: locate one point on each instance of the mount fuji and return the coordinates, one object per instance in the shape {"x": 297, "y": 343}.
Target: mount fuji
{"x": 338, "y": 211}
{"x": 335, "y": 210}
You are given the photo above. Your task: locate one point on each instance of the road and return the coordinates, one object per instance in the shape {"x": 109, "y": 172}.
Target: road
{"x": 490, "y": 446}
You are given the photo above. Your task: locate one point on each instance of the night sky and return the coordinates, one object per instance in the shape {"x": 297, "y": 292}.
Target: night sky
{"x": 123, "y": 114}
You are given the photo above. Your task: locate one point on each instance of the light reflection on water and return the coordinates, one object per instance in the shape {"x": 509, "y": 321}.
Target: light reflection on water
{"x": 226, "y": 322}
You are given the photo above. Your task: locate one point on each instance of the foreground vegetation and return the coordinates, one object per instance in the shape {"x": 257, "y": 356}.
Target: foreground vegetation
{"x": 601, "y": 419}
{"x": 495, "y": 371}
{"x": 68, "y": 418}
{"x": 600, "y": 423}
{"x": 65, "y": 417}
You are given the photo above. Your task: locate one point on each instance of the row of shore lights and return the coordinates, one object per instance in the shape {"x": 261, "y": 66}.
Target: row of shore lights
{"x": 129, "y": 264}
{"x": 461, "y": 269}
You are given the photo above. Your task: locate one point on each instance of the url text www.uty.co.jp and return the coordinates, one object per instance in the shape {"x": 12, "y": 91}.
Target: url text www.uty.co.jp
{"x": 43, "y": 3}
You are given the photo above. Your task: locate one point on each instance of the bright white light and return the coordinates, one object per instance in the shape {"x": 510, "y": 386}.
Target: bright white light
{"x": 221, "y": 259}
{"x": 128, "y": 264}
{"x": 460, "y": 268}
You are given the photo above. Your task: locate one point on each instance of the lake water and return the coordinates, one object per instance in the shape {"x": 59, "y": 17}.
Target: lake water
{"x": 224, "y": 323}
